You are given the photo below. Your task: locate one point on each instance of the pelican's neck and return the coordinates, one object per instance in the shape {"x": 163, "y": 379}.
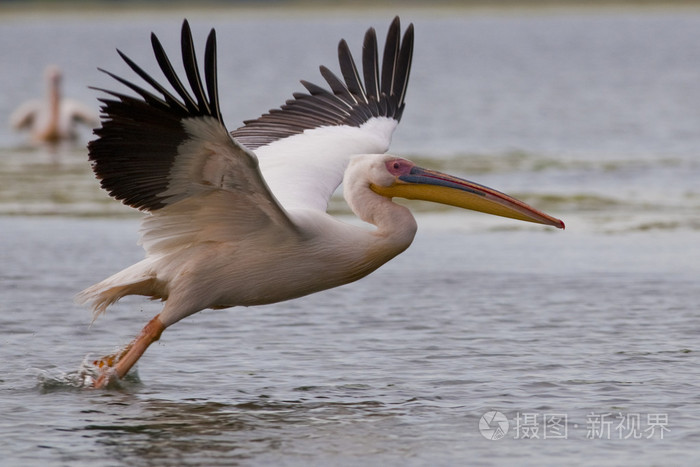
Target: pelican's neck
{"x": 51, "y": 133}
{"x": 396, "y": 226}
{"x": 54, "y": 95}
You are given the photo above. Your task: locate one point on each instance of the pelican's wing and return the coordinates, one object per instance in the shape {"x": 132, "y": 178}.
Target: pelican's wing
{"x": 25, "y": 115}
{"x": 75, "y": 111}
{"x": 319, "y": 131}
{"x": 171, "y": 155}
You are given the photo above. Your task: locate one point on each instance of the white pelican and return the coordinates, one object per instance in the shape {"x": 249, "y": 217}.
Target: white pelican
{"x": 53, "y": 118}
{"x": 239, "y": 218}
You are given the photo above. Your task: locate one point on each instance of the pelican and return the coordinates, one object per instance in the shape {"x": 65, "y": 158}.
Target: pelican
{"x": 239, "y": 218}
{"x": 54, "y": 118}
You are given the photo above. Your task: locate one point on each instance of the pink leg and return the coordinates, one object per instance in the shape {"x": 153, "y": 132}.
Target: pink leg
{"x": 119, "y": 364}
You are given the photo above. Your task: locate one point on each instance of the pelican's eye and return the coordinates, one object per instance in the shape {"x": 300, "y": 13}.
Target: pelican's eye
{"x": 398, "y": 167}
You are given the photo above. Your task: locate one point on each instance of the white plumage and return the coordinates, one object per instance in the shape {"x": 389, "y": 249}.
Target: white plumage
{"x": 239, "y": 219}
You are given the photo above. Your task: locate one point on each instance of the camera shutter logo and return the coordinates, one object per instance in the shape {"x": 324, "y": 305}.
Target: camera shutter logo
{"x": 493, "y": 425}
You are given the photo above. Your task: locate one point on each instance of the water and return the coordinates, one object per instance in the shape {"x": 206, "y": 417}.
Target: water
{"x": 589, "y": 114}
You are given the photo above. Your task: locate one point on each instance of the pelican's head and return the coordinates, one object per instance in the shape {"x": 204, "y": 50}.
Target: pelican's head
{"x": 53, "y": 74}
{"x": 402, "y": 178}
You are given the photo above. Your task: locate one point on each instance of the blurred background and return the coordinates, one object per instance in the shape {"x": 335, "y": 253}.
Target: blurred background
{"x": 587, "y": 110}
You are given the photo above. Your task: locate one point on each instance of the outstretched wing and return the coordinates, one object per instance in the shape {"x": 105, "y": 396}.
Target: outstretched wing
{"x": 321, "y": 130}
{"x": 25, "y": 115}
{"x": 171, "y": 154}
{"x": 74, "y": 111}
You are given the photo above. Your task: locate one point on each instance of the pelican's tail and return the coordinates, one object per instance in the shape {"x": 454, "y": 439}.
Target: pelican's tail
{"x": 134, "y": 280}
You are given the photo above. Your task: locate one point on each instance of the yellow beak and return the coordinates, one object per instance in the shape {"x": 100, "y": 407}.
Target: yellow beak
{"x": 441, "y": 188}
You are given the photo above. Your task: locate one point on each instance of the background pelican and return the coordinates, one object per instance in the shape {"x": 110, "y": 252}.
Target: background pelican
{"x": 53, "y": 118}
{"x": 239, "y": 219}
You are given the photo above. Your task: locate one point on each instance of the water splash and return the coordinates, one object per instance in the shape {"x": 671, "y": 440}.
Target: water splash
{"x": 82, "y": 378}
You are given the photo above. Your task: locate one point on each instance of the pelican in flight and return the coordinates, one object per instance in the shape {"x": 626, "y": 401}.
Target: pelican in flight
{"x": 54, "y": 118}
{"x": 239, "y": 218}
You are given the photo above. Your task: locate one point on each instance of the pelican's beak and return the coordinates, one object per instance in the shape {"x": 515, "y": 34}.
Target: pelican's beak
{"x": 430, "y": 185}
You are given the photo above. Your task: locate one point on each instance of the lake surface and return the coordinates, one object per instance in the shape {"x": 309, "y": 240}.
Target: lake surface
{"x": 580, "y": 346}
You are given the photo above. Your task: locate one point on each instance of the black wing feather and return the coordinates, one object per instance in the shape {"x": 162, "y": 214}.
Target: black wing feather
{"x": 370, "y": 60}
{"x": 147, "y": 96}
{"x": 210, "y": 74}
{"x": 172, "y": 100}
{"x": 337, "y": 86}
{"x": 402, "y": 70}
{"x": 349, "y": 70}
{"x": 351, "y": 102}
{"x": 139, "y": 138}
{"x": 169, "y": 72}
{"x": 189, "y": 59}
{"x": 391, "y": 53}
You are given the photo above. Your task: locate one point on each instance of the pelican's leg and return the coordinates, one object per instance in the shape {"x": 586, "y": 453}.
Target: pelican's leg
{"x": 119, "y": 364}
